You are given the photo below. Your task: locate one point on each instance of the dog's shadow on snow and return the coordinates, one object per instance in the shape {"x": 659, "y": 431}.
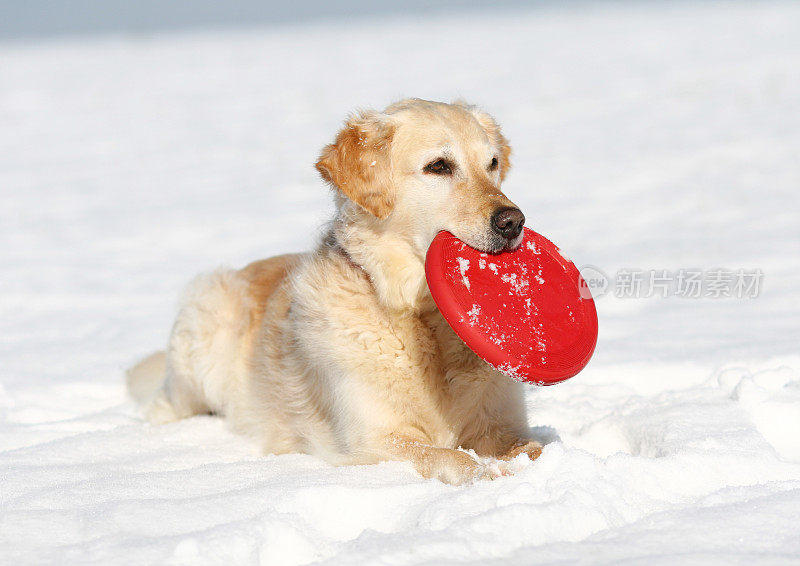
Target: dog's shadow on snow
{"x": 544, "y": 435}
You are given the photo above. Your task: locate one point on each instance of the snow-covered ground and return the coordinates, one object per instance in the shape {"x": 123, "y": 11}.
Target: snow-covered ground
{"x": 647, "y": 136}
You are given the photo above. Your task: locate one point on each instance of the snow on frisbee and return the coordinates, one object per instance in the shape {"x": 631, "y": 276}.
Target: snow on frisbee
{"x": 522, "y": 311}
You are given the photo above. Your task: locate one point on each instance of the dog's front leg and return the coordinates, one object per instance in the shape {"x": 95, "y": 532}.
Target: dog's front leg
{"x": 446, "y": 465}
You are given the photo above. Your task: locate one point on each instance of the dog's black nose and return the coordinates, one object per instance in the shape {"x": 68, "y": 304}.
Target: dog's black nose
{"x": 508, "y": 222}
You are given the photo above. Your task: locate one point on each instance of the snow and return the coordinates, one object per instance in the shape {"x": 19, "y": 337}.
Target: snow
{"x": 473, "y": 314}
{"x": 652, "y": 136}
{"x": 463, "y": 267}
{"x": 517, "y": 284}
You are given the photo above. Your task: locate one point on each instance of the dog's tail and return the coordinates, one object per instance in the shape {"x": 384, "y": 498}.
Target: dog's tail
{"x": 146, "y": 377}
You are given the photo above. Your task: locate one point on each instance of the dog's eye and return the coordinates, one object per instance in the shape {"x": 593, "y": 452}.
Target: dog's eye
{"x": 438, "y": 167}
{"x": 493, "y": 164}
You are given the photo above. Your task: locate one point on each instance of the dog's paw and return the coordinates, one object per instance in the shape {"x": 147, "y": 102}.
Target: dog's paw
{"x": 160, "y": 410}
{"x": 459, "y": 467}
{"x": 531, "y": 448}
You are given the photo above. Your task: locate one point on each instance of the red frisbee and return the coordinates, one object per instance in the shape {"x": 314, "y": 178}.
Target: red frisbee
{"x": 521, "y": 311}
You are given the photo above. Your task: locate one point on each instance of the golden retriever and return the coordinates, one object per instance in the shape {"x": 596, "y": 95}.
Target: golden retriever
{"x": 341, "y": 352}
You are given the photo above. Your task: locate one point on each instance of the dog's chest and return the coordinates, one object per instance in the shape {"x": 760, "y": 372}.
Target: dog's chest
{"x": 451, "y": 355}
{"x": 464, "y": 377}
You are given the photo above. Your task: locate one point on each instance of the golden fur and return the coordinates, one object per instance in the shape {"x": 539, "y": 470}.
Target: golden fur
{"x": 341, "y": 352}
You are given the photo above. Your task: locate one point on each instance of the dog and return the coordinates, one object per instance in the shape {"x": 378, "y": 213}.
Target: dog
{"x": 341, "y": 352}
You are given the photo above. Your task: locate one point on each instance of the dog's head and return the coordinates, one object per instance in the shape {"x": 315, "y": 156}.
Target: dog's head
{"x": 420, "y": 167}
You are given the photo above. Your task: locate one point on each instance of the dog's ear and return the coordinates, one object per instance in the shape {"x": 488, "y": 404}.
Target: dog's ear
{"x": 358, "y": 163}
{"x": 492, "y": 129}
